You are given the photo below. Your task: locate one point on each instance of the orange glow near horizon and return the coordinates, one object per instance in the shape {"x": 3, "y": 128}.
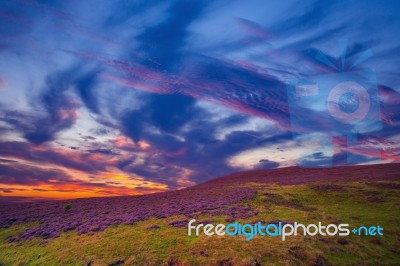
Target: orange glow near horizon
{"x": 111, "y": 182}
{"x": 71, "y": 191}
{"x": 74, "y": 173}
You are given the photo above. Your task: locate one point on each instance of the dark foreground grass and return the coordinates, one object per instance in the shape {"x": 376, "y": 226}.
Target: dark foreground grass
{"x": 373, "y": 203}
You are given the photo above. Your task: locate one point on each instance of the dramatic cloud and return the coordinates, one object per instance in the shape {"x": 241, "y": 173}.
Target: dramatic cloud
{"x": 23, "y": 174}
{"x": 145, "y": 96}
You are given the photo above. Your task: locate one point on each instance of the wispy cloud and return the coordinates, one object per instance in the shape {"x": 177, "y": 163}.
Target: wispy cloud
{"x": 144, "y": 96}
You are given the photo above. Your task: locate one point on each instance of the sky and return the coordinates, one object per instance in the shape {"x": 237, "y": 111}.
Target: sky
{"x": 109, "y": 98}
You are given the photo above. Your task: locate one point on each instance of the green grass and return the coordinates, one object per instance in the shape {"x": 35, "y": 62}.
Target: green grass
{"x": 135, "y": 245}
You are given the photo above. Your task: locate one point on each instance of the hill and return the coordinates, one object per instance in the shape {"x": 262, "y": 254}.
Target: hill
{"x": 152, "y": 229}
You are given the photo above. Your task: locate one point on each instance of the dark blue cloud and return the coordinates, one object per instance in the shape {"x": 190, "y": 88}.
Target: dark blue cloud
{"x": 28, "y": 152}
{"x": 306, "y": 18}
{"x": 56, "y": 111}
{"x": 17, "y": 173}
{"x": 170, "y": 112}
{"x": 86, "y": 88}
{"x": 267, "y": 164}
{"x": 164, "y": 41}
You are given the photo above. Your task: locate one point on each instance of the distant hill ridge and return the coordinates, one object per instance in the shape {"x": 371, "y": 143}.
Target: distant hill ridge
{"x": 297, "y": 175}
{"x": 285, "y": 176}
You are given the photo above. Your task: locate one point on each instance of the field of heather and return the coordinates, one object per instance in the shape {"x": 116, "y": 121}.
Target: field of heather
{"x": 152, "y": 229}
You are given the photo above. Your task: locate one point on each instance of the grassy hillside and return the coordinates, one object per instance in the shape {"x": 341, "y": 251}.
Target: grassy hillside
{"x": 366, "y": 200}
